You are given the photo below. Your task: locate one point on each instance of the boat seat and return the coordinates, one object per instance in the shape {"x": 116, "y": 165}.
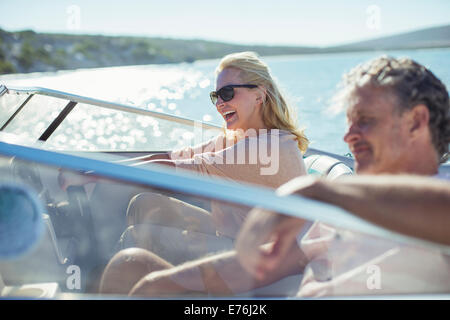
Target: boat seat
{"x": 326, "y": 166}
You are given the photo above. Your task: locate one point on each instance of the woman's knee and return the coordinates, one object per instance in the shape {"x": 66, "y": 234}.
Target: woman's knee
{"x": 139, "y": 236}
{"x": 127, "y": 267}
{"x": 151, "y": 208}
{"x": 138, "y": 205}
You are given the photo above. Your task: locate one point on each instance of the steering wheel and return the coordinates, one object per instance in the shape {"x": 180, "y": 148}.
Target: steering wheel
{"x": 70, "y": 219}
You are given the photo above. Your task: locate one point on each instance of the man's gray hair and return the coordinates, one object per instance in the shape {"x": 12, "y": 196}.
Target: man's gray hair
{"x": 411, "y": 84}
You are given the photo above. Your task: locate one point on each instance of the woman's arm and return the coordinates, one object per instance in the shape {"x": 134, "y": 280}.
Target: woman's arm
{"x": 168, "y": 163}
{"x": 155, "y": 156}
{"x": 69, "y": 178}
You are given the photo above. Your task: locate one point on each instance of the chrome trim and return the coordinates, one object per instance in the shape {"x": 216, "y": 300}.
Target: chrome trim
{"x": 3, "y": 90}
{"x": 215, "y": 188}
{"x": 110, "y": 105}
{"x": 48, "y": 222}
{"x": 350, "y": 162}
{"x": 16, "y": 112}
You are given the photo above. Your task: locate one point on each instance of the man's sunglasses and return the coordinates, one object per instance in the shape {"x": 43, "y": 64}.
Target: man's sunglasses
{"x": 227, "y": 92}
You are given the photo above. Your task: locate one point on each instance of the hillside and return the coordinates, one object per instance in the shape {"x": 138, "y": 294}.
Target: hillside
{"x": 28, "y": 51}
{"x": 438, "y": 37}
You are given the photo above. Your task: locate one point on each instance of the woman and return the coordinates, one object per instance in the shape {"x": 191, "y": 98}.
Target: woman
{"x": 257, "y": 117}
{"x": 256, "y": 114}
{"x": 260, "y": 145}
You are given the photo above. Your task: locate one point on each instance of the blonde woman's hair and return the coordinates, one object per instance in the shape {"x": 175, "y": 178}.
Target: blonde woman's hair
{"x": 276, "y": 113}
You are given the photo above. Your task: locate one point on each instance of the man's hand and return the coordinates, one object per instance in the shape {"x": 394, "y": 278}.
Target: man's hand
{"x": 255, "y": 253}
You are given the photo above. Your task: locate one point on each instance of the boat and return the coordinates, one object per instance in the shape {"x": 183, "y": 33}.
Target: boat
{"x": 65, "y": 240}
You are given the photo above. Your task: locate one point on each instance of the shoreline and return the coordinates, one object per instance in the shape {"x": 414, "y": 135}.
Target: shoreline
{"x": 35, "y": 74}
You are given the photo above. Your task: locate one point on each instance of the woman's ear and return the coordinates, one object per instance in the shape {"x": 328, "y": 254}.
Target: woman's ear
{"x": 262, "y": 94}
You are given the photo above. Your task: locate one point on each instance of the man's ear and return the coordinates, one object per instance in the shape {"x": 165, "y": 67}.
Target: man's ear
{"x": 419, "y": 119}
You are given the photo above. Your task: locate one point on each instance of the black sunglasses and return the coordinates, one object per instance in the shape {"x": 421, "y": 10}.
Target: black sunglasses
{"x": 227, "y": 92}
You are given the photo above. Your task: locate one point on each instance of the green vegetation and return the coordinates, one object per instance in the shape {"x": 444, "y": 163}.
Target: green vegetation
{"x": 144, "y": 51}
{"x": 87, "y": 47}
{"x": 59, "y": 59}
{"x": 26, "y": 56}
{"x": 27, "y": 35}
{"x": 6, "y": 67}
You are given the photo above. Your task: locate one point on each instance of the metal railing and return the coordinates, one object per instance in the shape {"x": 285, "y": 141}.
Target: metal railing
{"x": 75, "y": 99}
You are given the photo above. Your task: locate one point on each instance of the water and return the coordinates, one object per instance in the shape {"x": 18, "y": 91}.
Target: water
{"x": 183, "y": 89}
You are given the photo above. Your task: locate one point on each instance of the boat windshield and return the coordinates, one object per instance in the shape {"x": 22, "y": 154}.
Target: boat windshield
{"x": 70, "y": 122}
{"x": 65, "y": 237}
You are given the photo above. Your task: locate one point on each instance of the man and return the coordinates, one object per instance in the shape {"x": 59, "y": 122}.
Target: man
{"x": 413, "y": 205}
{"x": 399, "y": 123}
{"x": 398, "y": 115}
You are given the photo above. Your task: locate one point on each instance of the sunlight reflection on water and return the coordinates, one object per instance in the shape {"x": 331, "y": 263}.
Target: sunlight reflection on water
{"x": 158, "y": 88}
{"x": 183, "y": 90}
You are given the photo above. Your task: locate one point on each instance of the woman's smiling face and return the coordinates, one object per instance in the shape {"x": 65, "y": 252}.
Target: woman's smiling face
{"x": 244, "y": 110}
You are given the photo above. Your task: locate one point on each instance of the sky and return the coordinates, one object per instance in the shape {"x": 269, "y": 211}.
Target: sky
{"x": 273, "y": 22}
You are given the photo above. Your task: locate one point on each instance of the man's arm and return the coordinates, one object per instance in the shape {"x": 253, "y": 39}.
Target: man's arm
{"x": 412, "y": 205}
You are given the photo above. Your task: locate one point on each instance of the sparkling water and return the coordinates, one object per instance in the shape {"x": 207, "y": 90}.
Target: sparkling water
{"x": 309, "y": 81}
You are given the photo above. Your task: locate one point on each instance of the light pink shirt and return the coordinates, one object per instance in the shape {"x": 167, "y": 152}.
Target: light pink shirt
{"x": 269, "y": 159}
